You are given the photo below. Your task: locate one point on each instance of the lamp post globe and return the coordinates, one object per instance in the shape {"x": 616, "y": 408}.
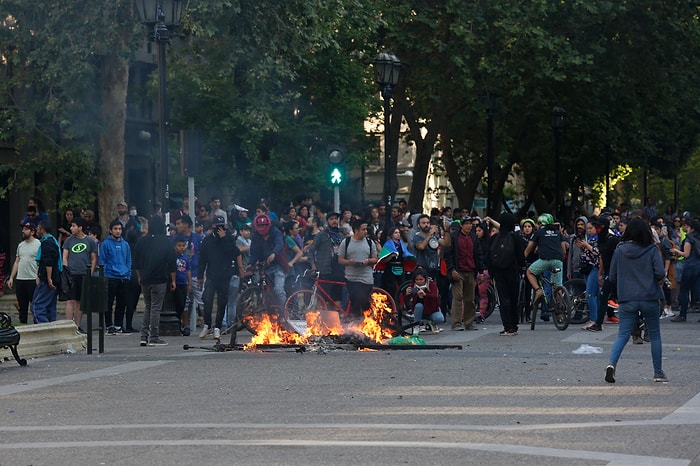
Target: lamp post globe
{"x": 386, "y": 74}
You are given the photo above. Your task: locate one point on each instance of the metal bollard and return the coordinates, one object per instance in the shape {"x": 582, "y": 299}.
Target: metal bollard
{"x": 94, "y": 300}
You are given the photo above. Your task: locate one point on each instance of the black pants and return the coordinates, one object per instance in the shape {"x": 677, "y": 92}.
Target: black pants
{"x": 117, "y": 291}
{"x": 359, "y": 297}
{"x": 220, "y": 289}
{"x": 607, "y": 291}
{"x": 24, "y": 291}
{"x": 507, "y": 286}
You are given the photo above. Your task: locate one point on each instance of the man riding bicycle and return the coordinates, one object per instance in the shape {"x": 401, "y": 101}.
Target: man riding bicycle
{"x": 551, "y": 247}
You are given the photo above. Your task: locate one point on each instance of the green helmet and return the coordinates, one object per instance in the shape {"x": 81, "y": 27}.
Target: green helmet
{"x": 545, "y": 219}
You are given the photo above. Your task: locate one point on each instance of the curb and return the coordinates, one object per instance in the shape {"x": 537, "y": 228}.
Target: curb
{"x": 47, "y": 339}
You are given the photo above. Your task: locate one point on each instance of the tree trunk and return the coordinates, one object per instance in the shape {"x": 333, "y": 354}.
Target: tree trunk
{"x": 112, "y": 142}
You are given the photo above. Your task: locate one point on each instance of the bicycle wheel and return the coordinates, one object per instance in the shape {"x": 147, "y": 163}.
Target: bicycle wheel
{"x": 404, "y": 311}
{"x": 579, "y": 300}
{"x": 536, "y": 308}
{"x": 524, "y": 297}
{"x": 561, "y": 308}
{"x": 302, "y": 301}
{"x": 250, "y": 306}
{"x": 493, "y": 301}
{"x": 392, "y": 319}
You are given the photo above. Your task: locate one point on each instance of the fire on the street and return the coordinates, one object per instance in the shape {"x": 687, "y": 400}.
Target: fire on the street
{"x": 269, "y": 329}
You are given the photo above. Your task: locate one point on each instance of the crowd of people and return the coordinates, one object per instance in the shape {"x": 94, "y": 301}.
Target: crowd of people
{"x": 448, "y": 256}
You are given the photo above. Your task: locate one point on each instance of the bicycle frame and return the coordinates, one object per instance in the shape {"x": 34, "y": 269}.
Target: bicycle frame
{"x": 562, "y": 305}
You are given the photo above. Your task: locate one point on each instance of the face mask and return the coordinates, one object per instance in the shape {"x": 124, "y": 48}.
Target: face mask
{"x": 133, "y": 213}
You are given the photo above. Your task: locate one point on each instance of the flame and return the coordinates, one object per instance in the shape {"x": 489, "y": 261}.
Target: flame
{"x": 269, "y": 330}
{"x": 378, "y": 313}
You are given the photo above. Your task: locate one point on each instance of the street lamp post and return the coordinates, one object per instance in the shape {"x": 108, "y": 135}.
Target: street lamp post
{"x": 558, "y": 124}
{"x": 490, "y": 104}
{"x": 154, "y": 15}
{"x": 386, "y": 75}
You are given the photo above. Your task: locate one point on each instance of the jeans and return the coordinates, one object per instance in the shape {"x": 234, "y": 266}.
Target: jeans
{"x": 436, "y": 317}
{"x": 276, "y": 274}
{"x": 44, "y": 303}
{"x": 689, "y": 282}
{"x": 233, "y": 286}
{"x": 628, "y": 312}
{"x": 592, "y": 290}
{"x": 153, "y": 296}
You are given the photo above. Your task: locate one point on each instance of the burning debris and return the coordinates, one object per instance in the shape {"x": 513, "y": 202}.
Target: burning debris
{"x": 322, "y": 325}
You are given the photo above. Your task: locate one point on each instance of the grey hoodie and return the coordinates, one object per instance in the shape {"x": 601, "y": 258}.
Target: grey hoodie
{"x": 637, "y": 271}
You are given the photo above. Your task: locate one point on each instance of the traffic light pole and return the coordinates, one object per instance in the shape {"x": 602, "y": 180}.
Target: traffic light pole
{"x": 336, "y": 199}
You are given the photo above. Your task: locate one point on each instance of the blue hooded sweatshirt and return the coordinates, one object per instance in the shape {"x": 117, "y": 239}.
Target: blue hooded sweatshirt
{"x": 115, "y": 256}
{"x": 637, "y": 271}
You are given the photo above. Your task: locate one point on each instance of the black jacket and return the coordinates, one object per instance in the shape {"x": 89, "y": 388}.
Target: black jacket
{"x": 154, "y": 259}
{"x": 218, "y": 258}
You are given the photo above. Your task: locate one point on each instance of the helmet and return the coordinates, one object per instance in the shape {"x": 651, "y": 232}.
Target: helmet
{"x": 262, "y": 224}
{"x": 527, "y": 220}
{"x": 545, "y": 219}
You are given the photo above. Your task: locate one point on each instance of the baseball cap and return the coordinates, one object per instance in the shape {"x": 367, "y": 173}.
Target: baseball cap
{"x": 219, "y": 221}
{"x": 467, "y": 218}
{"x": 29, "y": 225}
{"x": 332, "y": 214}
{"x": 123, "y": 203}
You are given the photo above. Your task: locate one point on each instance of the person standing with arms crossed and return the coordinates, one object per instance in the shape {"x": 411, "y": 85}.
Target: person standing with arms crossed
{"x": 24, "y": 270}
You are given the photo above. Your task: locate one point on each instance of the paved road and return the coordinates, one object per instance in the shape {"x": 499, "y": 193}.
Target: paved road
{"x": 501, "y": 400}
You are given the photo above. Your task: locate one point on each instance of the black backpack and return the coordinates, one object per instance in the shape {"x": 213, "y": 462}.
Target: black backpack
{"x": 502, "y": 251}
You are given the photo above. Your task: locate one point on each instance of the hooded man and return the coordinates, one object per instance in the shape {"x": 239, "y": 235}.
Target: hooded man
{"x": 155, "y": 265}
{"x": 573, "y": 269}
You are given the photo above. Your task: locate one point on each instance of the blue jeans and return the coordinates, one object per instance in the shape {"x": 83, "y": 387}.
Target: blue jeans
{"x": 436, "y": 317}
{"x": 233, "y": 286}
{"x": 592, "y": 290}
{"x": 44, "y": 303}
{"x": 628, "y": 312}
{"x": 277, "y": 275}
{"x": 689, "y": 282}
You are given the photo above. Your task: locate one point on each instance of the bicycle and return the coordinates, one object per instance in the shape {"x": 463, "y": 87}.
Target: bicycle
{"x": 560, "y": 304}
{"x": 255, "y": 299}
{"x": 524, "y": 297}
{"x": 316, "y": 299}
{"x": 576, "y": 288}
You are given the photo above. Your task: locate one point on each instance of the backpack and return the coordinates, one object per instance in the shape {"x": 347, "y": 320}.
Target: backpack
{"x": 502, "y": 251}
{"x": 347, "y": 242}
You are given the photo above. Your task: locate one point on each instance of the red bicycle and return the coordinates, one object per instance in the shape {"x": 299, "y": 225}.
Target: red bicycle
{"x": 316, "y": 299}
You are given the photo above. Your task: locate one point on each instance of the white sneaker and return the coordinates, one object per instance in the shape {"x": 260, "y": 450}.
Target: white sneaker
{"x": 436, "y": 329}
{"x": 217, "y": 333}
{"x": 668, "y": 313}
{"x": 204, "y": 332}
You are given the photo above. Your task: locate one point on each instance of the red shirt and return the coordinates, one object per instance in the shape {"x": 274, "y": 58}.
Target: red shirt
{"x": 465, "y": 253}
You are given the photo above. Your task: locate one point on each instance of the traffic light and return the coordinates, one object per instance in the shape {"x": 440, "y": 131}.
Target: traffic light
{"x": 337, "y": 172}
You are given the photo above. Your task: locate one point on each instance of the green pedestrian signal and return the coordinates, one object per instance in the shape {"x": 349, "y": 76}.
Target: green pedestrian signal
{"x": 337, "y": 172}
{"x": 336, "y": 176}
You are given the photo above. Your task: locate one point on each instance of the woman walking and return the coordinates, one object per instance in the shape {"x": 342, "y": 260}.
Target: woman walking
{"x": 637, "y": 271}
